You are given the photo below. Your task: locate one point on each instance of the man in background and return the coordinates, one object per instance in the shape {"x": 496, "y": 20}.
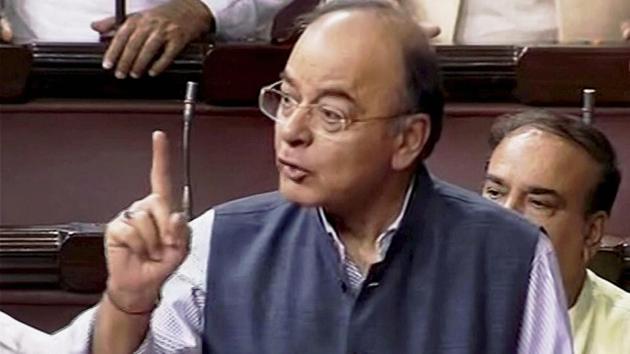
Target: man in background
{"x": 562, "y": 174}
{"x": 151, "y": 36}
{"x": 525, "y": 21}
{"x": 158, "y": 30}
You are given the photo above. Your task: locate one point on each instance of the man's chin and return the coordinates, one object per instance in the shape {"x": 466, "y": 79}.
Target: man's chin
{"x": 299, "y": 194}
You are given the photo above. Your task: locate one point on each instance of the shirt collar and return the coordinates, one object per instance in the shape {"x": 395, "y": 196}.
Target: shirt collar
{"x": 579, "y": 310}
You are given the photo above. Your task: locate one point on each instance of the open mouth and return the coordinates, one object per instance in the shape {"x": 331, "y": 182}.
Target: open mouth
{"x": 291, "y": 170}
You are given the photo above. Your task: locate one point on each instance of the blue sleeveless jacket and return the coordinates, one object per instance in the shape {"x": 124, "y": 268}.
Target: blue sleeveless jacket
{"x": 454, "y": 280}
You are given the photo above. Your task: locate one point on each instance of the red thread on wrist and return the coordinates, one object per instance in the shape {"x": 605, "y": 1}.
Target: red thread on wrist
{"x": 130, "y": 312}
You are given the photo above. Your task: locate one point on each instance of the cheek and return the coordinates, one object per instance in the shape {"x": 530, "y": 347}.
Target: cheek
{"x": 345, "y": 165}
{"x": 335, "y": 167}
{"x": 276, "y": 137}
{"x": 565, "y": 233}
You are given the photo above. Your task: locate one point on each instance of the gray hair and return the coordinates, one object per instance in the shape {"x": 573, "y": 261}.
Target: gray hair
{"x": 589, "y": 138}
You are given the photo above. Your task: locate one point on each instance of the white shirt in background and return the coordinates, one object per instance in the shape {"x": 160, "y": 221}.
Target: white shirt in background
{"x": 69, "y": 20}
{"x": 507, "y": 22}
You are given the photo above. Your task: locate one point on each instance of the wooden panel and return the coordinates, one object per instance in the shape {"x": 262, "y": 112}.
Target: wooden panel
{"x": 234, "y": 74}
{"x": 14, "y": 71}
{"x": 75, "y": 70}
{"x": 557, "y": 75}
{"x": 231, "y": 74}
{"x": 65, "y": 161}
{"x": 68, "y": 257}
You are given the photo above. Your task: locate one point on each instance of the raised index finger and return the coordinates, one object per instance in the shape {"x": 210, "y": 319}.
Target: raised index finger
{"x": 160, "y": 169}
{"x": 625, "y": 30}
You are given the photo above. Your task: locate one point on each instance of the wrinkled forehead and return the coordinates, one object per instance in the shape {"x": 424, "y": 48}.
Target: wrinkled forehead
{"x": 353, "y": 48}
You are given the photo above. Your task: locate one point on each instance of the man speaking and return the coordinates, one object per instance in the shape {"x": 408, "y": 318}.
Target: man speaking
{"x": 359, "y": 251}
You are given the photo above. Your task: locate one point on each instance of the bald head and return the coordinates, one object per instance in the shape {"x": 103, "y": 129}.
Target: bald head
{"x": 374, "y": 27}
{"x": 385, "y": 14}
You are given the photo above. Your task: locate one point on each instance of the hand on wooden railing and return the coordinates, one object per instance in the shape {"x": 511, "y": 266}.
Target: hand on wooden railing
{"x": 151, "y": 39}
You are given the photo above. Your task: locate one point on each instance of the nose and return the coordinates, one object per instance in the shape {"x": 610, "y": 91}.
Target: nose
{"x": 513, "y": 202}
{"x": 295, "y": 129}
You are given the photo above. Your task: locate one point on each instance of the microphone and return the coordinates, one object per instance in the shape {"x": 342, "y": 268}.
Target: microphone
{"x": 121, "y": 12}
{"x": 588, "y": 105}
{"x": 189, "y": 113}
{"x": 120, "y": 15}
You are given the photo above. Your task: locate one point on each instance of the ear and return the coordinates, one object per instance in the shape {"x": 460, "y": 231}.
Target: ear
{"x": 593, "y": 234}
{"x": 411, "y": 137}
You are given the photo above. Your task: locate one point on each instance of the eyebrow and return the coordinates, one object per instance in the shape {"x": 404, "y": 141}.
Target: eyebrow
{"x": 335, "y": 92}
{"x": 495, "y": 179}
{"x": 537, "y": 190}
{"x": 285, "y": 77}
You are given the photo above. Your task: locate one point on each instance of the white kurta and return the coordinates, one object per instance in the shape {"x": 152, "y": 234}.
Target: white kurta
{"x": 69, "y": 20}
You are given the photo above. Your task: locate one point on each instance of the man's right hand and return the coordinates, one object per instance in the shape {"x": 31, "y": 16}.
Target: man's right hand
{"x": 430, "y": 29}
{"x": 625, "y": 30}
{"x": 146, "y": 243}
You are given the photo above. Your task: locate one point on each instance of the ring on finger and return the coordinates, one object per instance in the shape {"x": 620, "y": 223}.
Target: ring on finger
{"x": 127, "y": 214}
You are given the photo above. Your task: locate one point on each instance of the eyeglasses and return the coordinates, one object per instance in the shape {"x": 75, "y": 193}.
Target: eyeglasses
{"x": 323, "y": 119}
